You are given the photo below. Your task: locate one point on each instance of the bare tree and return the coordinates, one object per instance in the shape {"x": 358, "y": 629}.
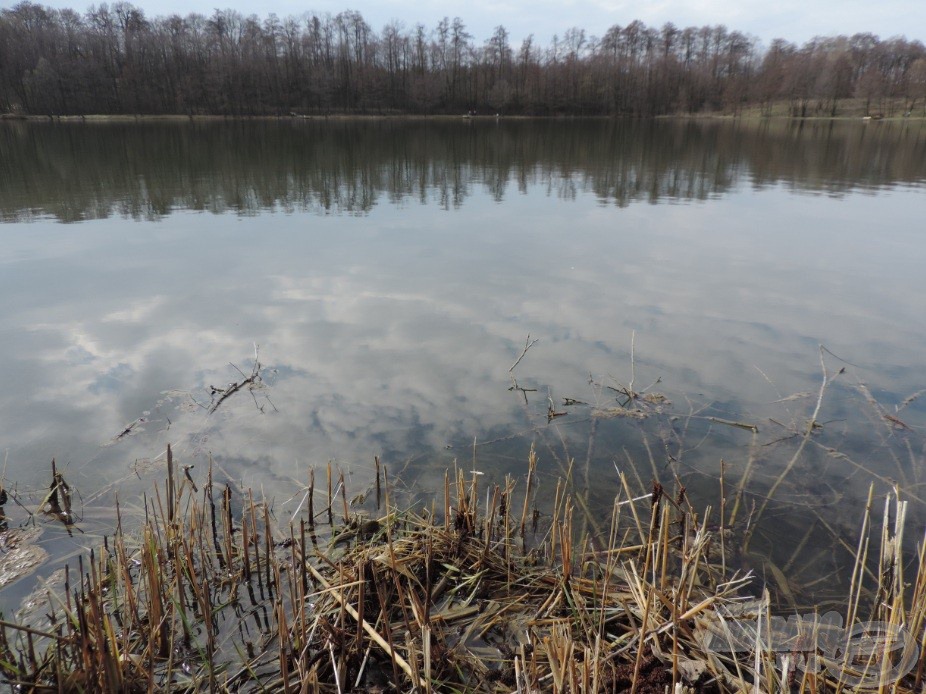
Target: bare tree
{"x": 115, "y": 59}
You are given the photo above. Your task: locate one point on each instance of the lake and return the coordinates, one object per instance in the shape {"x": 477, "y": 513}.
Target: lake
{"x": 391, "y": 273}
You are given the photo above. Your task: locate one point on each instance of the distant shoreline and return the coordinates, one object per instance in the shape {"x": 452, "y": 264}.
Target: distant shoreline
{"x": 176, "y": 118}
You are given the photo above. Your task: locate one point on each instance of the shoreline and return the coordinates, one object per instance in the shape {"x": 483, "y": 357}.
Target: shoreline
{"x": 364, "y": 117}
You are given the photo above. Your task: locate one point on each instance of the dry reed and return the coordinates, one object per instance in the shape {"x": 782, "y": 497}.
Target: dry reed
{"x": 213, "y": 593}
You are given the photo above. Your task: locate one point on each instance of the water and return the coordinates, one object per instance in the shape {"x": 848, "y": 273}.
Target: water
{"x": 390, "y": 273}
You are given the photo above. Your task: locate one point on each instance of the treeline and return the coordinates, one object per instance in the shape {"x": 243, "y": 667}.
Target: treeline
{"x": 113, "y": 59}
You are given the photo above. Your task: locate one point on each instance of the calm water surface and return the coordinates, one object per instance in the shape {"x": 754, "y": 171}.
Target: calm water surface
{"x": 391, "y": 273}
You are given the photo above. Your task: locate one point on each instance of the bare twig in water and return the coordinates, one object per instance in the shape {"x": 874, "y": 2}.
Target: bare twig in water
{"x": 527, "y": 345}
{"x": 247, "y": 381}
{"x": 812, "y": 425}
{"x": 523, "y": 391}
{"x": 836, "y": 356}
{"x": 740, "y": 425}
{"x": 57, "y": 502}
{"x": 910, "y": 399}
{"x": 551, "y": 410}
{"x": 633, "y": 363}
{"x": 127, "y": 431}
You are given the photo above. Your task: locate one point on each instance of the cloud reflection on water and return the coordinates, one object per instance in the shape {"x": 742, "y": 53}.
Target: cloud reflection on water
{"x": 392, "y": 332}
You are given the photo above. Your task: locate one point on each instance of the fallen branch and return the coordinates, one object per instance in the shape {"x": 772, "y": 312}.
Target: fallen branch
{"x": 233, "y": 388}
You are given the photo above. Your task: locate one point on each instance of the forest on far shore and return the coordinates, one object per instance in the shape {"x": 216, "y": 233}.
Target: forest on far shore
{"x": 114, "y": 59}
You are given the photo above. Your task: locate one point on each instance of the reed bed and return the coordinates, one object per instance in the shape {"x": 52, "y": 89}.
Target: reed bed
{"x": 482, "y": 592}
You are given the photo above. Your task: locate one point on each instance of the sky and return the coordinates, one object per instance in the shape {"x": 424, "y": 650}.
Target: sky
{"x": 794, "y": 20}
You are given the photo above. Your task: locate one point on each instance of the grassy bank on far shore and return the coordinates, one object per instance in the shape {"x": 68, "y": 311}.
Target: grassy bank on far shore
{"x": 777, "y": 112}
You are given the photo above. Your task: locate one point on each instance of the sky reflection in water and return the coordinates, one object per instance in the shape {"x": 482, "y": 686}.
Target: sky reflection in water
{"x": 390, "y": 293}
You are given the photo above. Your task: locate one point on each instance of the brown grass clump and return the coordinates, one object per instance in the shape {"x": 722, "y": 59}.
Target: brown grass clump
{"x": 214, "y": 593}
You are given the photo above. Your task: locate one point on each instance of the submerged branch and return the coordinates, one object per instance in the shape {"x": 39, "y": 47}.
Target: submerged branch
{"x": 247, "y": 382}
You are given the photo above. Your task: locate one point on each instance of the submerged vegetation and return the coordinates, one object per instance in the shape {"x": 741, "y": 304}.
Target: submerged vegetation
{"x": 482, "y": 592}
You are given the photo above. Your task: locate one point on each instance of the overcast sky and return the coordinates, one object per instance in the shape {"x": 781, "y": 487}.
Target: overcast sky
{"x": 795, "y": 20}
